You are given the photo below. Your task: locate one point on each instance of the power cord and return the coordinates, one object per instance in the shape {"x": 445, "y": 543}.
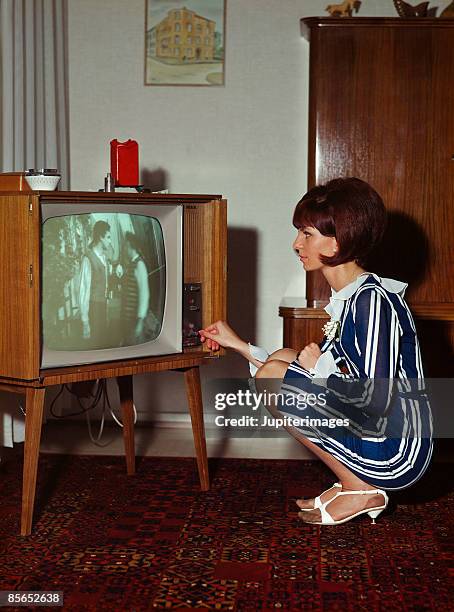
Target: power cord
{"x": 95, "y": 401}
{"x": 117, "y": 421}
{"x": 99, "y": 395}
{"x": 96, "y": 440}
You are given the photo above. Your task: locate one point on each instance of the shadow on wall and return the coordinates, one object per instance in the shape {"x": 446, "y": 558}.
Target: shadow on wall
{"x": 242, "y": 306}
{"x": 155, "y": 180}
{"x": 404, "y": 253}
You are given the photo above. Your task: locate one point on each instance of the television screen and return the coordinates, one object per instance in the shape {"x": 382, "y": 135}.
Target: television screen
{"x": 103, "y": 279}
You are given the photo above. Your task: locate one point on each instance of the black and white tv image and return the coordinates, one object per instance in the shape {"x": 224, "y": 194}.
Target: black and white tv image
{"x": 107, "y": 278}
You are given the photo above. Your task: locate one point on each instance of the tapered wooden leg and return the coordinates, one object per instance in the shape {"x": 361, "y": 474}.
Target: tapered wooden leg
{"x": 127, "y": 412}
{"x": 194, "y": 394}
{"x": 33, "y": 421}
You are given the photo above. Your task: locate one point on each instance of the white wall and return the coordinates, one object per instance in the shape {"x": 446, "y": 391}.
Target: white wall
{"x": 245, "y": 140}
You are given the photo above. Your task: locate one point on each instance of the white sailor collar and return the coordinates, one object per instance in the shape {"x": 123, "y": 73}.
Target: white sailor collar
{"x": 336, "y": 303}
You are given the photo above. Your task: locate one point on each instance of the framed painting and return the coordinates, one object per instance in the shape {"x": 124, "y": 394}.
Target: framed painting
{"x": 184, "y": 42}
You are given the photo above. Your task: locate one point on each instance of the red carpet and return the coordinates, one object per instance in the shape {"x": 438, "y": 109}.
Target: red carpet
{"x": 154, "y": 541}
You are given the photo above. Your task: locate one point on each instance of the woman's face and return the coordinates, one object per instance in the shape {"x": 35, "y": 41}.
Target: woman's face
{"x": 310, "y": 244}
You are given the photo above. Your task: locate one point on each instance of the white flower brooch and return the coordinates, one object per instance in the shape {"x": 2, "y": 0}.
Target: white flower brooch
{"x": 331, "y": 329}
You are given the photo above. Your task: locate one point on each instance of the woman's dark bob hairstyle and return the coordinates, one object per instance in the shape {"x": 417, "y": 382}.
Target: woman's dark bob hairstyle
{"x": 348, "y": 209}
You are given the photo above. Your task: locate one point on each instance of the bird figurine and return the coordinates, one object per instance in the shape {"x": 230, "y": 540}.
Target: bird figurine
{"x": 407, "y": 10}
{"x": 449, "y": 11}
{"x": 344, "y": 9}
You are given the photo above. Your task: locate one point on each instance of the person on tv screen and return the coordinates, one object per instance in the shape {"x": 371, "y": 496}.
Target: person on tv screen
{"x": 94, "y": 286}
{"x": 369, "y": 420}
{"x": 135, "y": 292}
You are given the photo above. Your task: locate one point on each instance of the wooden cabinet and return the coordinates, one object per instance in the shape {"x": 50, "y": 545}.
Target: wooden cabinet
{"x": 380, "y": 108}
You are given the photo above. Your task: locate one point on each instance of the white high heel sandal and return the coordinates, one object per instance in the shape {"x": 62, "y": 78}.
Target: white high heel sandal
{"x": 317, "y": 501}
{"x": 327, "y": 519}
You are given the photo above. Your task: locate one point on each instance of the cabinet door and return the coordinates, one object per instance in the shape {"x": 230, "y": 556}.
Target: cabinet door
{"x": 381, "y": 101}
{"x": 19, "y": 287}
{"x": 439, "y": 212}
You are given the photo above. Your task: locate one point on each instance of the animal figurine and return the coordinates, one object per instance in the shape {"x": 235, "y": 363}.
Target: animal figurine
{"x": 449, "y": 11}
{"x": 407, "y": 10}
{"x": 345, "y": 9}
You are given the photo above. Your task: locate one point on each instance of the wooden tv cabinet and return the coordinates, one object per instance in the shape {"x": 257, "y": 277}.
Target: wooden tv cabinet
{"x": 204, "y": 262}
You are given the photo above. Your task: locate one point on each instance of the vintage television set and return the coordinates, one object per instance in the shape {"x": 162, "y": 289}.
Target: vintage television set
{"x": 107, "y": 285}
{"x": 94, "y": 280}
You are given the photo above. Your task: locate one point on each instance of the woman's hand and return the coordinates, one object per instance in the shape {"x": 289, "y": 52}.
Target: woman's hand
{"x": 308, "y": 357}
{"x": 221, "y": 334}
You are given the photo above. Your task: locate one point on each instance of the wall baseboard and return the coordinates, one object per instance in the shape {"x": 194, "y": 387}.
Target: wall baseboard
{"x": 160, "y": 441}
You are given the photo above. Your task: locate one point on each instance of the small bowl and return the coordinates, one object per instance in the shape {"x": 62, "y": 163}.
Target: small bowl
{"x": 43, "y": 182}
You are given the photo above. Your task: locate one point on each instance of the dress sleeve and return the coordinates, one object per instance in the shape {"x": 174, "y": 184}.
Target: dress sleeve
{"x": 258, "y": 353}
{"x": 376, "y": 342}
{"x": 377, "y": 335}
{"x": 325, "y": 365}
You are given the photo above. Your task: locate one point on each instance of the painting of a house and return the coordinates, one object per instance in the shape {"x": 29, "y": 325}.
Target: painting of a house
{"x": 184, "y": 44}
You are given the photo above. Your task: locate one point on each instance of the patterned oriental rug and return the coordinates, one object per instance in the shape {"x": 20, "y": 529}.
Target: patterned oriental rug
{"x": 155, "y": 542}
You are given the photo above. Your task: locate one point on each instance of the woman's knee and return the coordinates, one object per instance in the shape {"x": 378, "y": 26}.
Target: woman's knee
{"x": 273, "y": 368}
{"x": 284, "y": 354}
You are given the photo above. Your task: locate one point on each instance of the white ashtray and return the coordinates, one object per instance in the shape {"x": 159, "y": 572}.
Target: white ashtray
{"x": 43, "y": 182}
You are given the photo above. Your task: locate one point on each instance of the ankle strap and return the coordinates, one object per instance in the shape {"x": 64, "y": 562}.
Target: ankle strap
{"x": 371, "y": 492}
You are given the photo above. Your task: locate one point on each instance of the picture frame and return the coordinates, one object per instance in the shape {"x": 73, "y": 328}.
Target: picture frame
{"x": 184, "y": 42}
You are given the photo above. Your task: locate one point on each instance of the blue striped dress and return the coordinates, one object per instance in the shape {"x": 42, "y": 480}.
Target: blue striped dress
{"x": 371, "y": 375}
